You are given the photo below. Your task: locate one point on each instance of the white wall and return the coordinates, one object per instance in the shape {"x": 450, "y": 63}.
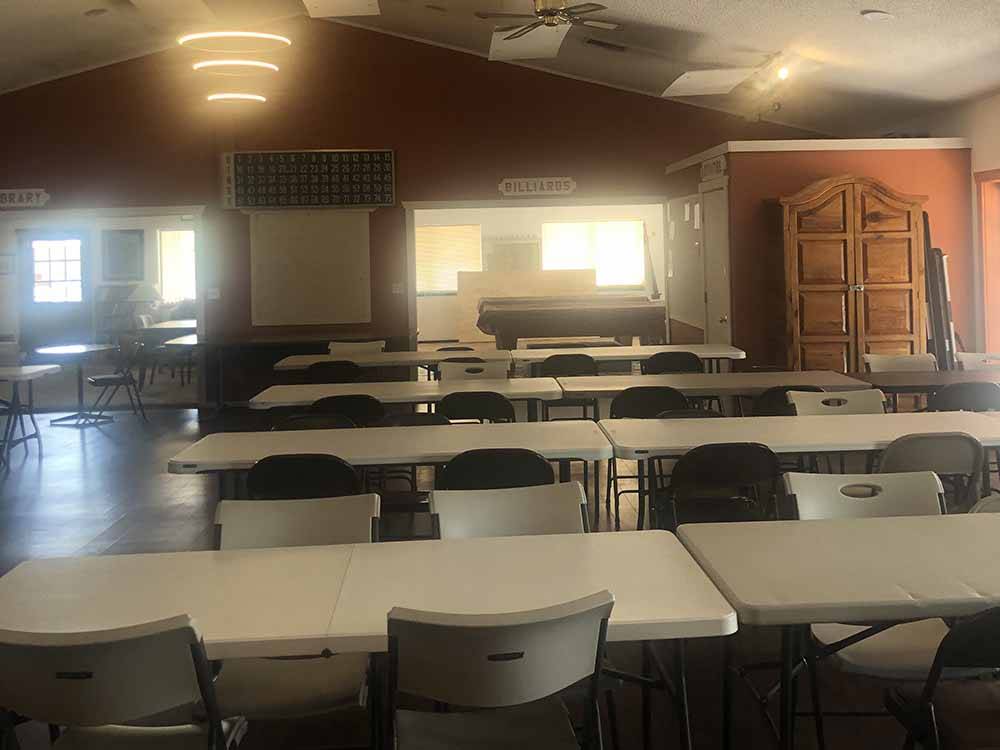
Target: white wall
{"x": 436, "y": 314}
{"x": 91, "y": 222}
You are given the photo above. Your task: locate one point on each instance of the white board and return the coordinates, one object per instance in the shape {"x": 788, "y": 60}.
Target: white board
{"x": 310, "y": 268}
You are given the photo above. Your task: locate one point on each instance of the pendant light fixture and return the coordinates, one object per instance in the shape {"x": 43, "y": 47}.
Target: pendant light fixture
{"x": 235, "y": 67}
{"x": 234, "y": 41}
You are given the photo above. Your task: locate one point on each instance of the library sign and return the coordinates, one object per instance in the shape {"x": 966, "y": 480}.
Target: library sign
{"x": 517, "y": 187}
{"x": 23, "y": 198}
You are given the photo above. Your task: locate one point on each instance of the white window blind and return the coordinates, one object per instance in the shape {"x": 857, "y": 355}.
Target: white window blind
{"x": 444, "y": 251}
{"x": 616, "y": 250}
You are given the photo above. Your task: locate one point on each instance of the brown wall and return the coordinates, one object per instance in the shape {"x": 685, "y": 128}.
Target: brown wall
{"x": 138, "y": 133}
{"x": 757, "y": 180}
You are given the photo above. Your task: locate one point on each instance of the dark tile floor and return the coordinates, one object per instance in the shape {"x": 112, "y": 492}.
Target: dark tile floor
{"x": 105, "y": 490}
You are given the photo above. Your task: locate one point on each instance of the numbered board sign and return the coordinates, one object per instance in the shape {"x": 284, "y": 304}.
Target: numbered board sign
{"x": 308, "y": 179}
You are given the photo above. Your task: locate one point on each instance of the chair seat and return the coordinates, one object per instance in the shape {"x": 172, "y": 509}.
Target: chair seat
{"x": 119, "y": 737}
{"x": 275, "y": 688}
{"x": 102, "y": 381}
{"x": 544, "y": 725}
{"x": 903, "y": 652}
{"x": 966, "y": 712}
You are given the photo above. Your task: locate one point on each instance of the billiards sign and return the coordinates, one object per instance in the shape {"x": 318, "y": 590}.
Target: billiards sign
{"x": 23, "y": 198}
{"x": 518, "y": 187}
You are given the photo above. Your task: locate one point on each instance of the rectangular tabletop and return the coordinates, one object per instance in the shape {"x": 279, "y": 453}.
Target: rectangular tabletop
{"x": 388, "y": 359}
{"x": 407, "y": 392}
{"x": 631, "y": 353}
{"x": 643, "y": 438}
{"x": 20, "y": 374}
{"x": 926, "y": 382}
{"x": 268, "y": 602}
{"x": 851, "y": 570}
{"x": 707, "y": 384}
{"x": 190, "y": 340}
{"x": 233, "y": 451}
{"x": 519, "y": 573}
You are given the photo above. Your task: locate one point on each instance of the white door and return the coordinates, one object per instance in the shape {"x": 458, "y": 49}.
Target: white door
{"x": 715, "y": 241}
{"x": 685, "y": 271}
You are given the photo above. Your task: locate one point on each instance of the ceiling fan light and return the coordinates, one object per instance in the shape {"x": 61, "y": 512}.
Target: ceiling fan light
{"x": 234, "y": 41}
{"x": 235, "y": 97}
{"x": 235, "y": 67}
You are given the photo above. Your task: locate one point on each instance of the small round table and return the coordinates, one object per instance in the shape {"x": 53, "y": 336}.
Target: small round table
{"x": 79, "y": 352}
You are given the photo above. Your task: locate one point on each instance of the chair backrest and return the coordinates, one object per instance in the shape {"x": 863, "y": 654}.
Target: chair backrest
{"x": 521, "y": 511}
{"x": 299, "y": 476}
{"x": 417, "y": 419}
{"x": 339, "y": 371}
{"x": 360, "y": 408}
{"x": 130, "y": 349}
{"x": 646, "y": 401}
{"x": 970, "y": 643}
{"x": 249, "y": 524}
{"x": 818, "y": 496}
{"x": 663, "y": 363}
{"x": 988, "y": 504}
{"x": 451, "y": 370}
{"x": 489, "y": 661}
{"x": 312, "y": 422}
{"x": 869, "y": 401}
{"x": 482, "y": 405}
{"x": 106, "y": 676}
{"x": 495, "y": 469}
{"x": 978, "y": 360}
{"x": 348, "y": 347}
{"x": 966, "y": 397}
{"x": 774, "y": 401}
{"x": 567, "y": 365}
{"x": 725, "y": 465}
{"x": 689, "y": 414}
{"x": 948, "y": 453}
{"x": 900, "y": 362}
{"x": 10, "y": 354}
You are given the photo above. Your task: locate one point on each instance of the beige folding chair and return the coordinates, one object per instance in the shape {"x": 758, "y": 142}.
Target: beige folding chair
{"x": 870, "y": 401}
{"x": 978, "y": 360}
{"x": 546, "y": 509}
{"x": 954, "y": 456}
{"x": 900, "y": 362}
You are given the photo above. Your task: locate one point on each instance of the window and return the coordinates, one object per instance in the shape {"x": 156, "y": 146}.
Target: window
{"x": 58, "y": 274}
{"x": 616, "y": 250}
{"x": 444, "y": 251}
{"x": 177, "y": 265}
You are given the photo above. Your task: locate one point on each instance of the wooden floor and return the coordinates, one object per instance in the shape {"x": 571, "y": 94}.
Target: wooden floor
{"x": 105, "y": 490}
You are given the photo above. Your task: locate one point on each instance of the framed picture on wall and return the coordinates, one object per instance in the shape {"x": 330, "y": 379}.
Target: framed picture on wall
{"x": 124, "y": 254}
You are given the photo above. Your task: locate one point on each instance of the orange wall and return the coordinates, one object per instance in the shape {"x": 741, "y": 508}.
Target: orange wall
{"x": 138, "y": 134}
{"x": 757, "y": 180}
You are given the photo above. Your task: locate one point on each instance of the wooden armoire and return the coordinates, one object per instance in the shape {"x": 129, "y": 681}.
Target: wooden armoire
{"x": 854, "y": 273}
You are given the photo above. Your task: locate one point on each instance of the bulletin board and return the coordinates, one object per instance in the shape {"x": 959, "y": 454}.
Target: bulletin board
{"x": 310, "y": 268}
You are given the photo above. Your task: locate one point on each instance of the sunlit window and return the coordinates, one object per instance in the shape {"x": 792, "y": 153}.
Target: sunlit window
{"x": 58, "y": 273}
{"x": 178, "y": 281}
{"x": 444, "y": 251}
{"x": 614, "y": 249}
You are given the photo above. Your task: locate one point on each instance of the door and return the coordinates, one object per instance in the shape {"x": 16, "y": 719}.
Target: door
{"x": 819, "y": 273}
{"x": 685, "y": 272}
{"x": 53, "y": 293}
{"x": 889, "y": 258}
{"x": 715, "y": 241}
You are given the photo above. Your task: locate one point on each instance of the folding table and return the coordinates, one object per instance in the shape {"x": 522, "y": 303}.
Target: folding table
{"x": 925, "y": 382}
{"x": 713, "y": 354}
{"x": 18, "y": 409}
{"x": 81, "y": 353}
{"x": 847, "y": 571}
{"x": 387, "y": 359}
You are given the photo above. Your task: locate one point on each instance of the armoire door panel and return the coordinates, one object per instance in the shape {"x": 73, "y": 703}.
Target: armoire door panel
{"x": 881, "y": 214}
{"x": 888, "y": 312}
{"x": 886, "y": 259}
{"x": 831, "y": 214}
{"x": 889, "y": 347}
{"x": 823, "y": 261}
{"x": 832, "y": 355}
{"x": 823, "y": 313}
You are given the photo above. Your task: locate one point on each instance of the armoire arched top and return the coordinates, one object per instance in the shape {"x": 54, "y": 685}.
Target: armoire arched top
{"x": 854, "y": 273}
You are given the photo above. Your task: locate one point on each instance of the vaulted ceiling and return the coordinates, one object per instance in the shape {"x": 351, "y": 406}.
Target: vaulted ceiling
{"x": 849, "y": 76}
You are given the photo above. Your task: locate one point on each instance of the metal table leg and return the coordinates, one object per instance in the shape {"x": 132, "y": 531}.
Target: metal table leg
{"x": 791, "y": 638}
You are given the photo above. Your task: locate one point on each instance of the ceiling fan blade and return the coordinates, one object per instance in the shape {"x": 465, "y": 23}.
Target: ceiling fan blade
{"x": 607, "y": 26}
{"x": 524, "y": 30}
{"x": 486, "y": 16}
{"x": 579, "y": 10}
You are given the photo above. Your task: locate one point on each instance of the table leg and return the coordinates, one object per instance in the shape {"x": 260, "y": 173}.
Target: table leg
{"x": 564, "y": 470}
{"x": 790, "y": 640}
{"x": 680, "y": 684}
{"x": 641, "y": 495}
{"x": 647, "y": 702}
{"x": 532, "y": 409}
{"x": 597, "y": 494}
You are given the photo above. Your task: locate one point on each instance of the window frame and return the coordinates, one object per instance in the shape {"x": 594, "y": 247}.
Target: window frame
{"x": 48, "y": 263}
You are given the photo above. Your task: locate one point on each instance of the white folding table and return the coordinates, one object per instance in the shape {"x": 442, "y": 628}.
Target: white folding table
{"x": 797, "y": 573}
{"x": 643, "y": 440}
{"x": 713, "y": 354}
{"x": 18, "y": 408}
{"x": 387, "y": 359}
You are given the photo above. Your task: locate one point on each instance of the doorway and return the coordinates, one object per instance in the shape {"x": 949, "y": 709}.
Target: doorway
{"x": 53, "y": 288}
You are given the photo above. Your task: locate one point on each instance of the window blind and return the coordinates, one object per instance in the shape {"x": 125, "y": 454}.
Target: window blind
{"x": 444, "y": 251}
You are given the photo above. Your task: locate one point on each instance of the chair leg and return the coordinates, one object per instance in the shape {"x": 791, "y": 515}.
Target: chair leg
{"x": 609, "y": 701}
{"x": 816, "y": 701}
{"x": 142, "y": 409}
{"x": 612, "y": 488}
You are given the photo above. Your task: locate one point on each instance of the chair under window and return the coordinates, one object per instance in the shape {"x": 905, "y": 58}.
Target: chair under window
{"x": 100, "y": 685}
{"x": 513, "y": 664}
{"x": 360, "y": 408}
{"x": 126, "y": 359}
{"x": 301, "y": 476}
{"x": 480, "y": 406}
{"x": 495, "y": 469}
{"x": 519, "y": 511}
{"x": 338, "y": 371}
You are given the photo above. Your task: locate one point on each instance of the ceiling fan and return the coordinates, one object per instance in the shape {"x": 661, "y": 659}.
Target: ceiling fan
{"x": 553, "y": 13}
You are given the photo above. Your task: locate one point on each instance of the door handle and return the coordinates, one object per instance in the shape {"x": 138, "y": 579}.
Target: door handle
{"x": 723, "y": 318}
